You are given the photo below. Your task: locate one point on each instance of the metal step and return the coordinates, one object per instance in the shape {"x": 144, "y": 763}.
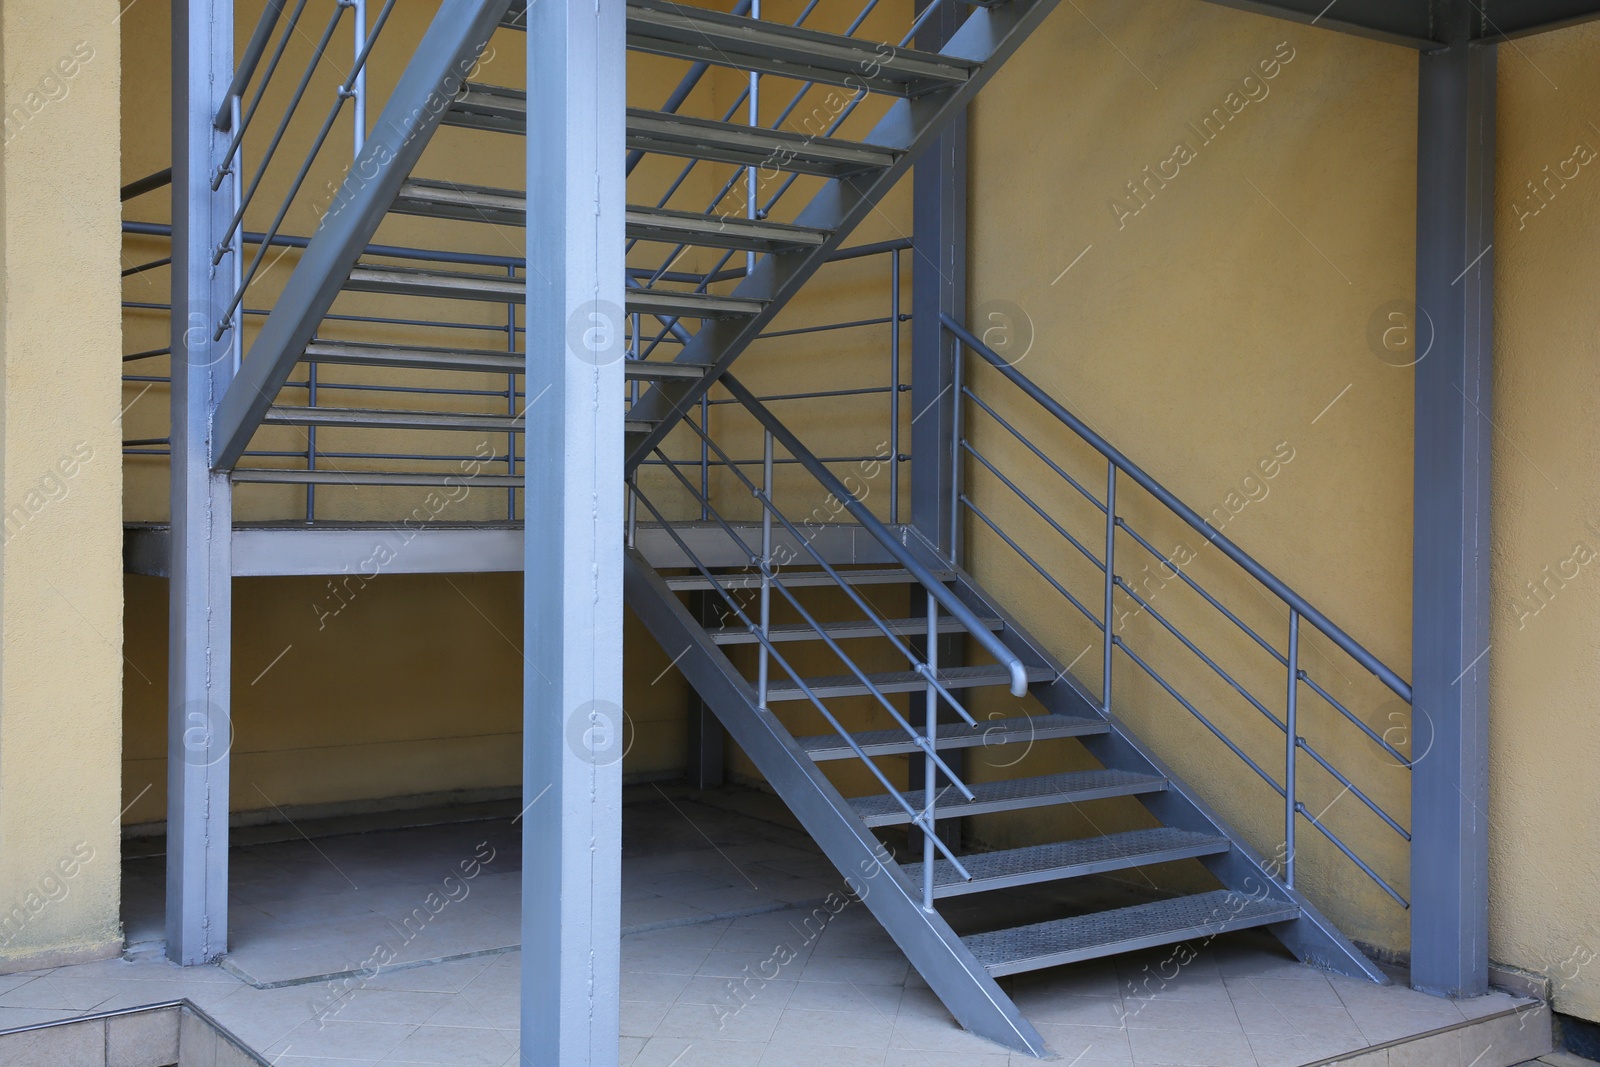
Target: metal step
{"x": 847, "y": 685}
{"x": 1068, "y": 859}
{"x": 1106, "y": 933}
{"x": 842, "y": 631}
{"x": 488, "y": 361}
{"x": 668, "y": 28}
{"x": 1012, "y": 795}
{"x": 507, "y": 207}
{"x": 499, "y": 289}
{"x": 792, "y": 579}
{"x": 392, "y": 419}
{"x": 402, "y": 478}
{"x": 1020, "y": 730}
{"x": 494, "y": 107}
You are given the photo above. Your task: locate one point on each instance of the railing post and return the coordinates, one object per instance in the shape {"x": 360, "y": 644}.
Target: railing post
{"x": 358, "y": 93}
{"x": 511, "y": 409}
{"x": 929, "y": 770}
{"x": 894, "y": 388}
{"x": 1109, "y": 644}
{"x": 766, "y": 566}
{"x": 955, "y": 457}
{"x": 1291, "y": 746}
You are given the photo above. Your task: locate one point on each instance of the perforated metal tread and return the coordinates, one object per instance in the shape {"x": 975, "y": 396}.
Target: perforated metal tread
{"x": 794, "y": 579}
{"x": 846, "y": 685}
{"x": 843, "y": 631}
{"x": 1012, "y": 795}
{"x": 1020, "y": 730}
{"x": 508, "y": 207}
{"x": 497, "y": 108}
{"x": 500, "y": 289}
{"x": 1068, "y": 859}
{"x": 1106, "y": 933}
{"x": 668, "y": 28}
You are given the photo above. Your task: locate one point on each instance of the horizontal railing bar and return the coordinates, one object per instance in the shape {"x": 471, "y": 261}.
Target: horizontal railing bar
{"x": 1207, "y": 660}
{"x": 882, "y": 321}
{"x": 1353, "y": 858}
{"x": 142, "y": 267}
{"x": 148, "y": 184}
{"x": 1207, "y": 723}
{"x": 1376, "y": 809}
{"x": 149, "y": 354}
{"x": 1349, "y": 644}
{"x": 1348, "y": 714}
{"x": 476, "y": 259}
{"x": 1046, "y": 575}
{"x": 868, "y": 390}
{"x": 695, "y": 462}
{"x": 1037, "y": 510}
{"x": 1046, "y": 460}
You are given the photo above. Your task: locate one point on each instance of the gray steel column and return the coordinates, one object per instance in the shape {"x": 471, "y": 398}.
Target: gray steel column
{"x": 199, "y": 729}
{"x": 573, "y": 722}
{"x": 938, "y": 285}
{"x": 707, "y": 738}
{"x": 1450, "y": 597}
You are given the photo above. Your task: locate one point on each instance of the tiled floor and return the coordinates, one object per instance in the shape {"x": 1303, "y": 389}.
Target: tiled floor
{"x": 719, "y": 965}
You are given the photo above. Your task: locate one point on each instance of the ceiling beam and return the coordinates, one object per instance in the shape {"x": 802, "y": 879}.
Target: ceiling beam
{"x": 1402, "y": 22}
{"x": 1502, "y": 19}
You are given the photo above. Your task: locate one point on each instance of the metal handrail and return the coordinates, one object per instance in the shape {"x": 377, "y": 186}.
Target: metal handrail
{"x": 1298, "y": 603}
{"x": 253, "y": 51}
{"x": 926, "y": 578}
{"x": 770, "y": 506}
{"x": 768, "y": 646}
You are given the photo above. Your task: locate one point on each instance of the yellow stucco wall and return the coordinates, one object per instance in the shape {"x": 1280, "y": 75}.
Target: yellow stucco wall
{"x": 1544, "y": 813}
{"x": 60, "y": 565}
{"x": 1214, "y": 314}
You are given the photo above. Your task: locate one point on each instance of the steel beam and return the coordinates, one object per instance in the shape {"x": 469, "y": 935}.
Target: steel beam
{"x": 938, "y": 286}
{"x": 573, "y": 721}
{"x": 1402, "y": 22}
{"x": 1505, "y": 19}
{"x": 1450, "y": 555}
{"x": 199, "y": 730}
{"x": 431, "y": 80}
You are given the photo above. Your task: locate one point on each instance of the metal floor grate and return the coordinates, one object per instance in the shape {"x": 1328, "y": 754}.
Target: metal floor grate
{"x": 1027, "y": 948}
{"x": 1069, "y": 859}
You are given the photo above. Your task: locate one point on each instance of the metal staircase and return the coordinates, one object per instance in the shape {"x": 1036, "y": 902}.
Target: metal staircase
{"x": 762, "y": 713}
{"x": 929, "y": 88}
{"x": 951, "y": 641}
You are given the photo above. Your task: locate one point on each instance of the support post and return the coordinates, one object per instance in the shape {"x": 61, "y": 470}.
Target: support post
{"x": 938, "y": 286}
{"x": 573, "y": 620}
{"x": 199, "y": 730}
{"x": 1450, "y": 597}
{"x": 707, "y": 738}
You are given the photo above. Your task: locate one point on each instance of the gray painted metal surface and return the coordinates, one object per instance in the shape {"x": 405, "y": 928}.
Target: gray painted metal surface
{"x": 1451, "y": 513}
{"x": 1106, "y": 933}
{"x": 989, "y": 37}
{"x": 1504, "y": 19}
{"x": 446, "y": 54}
{"x": 573, "y": 725}
{"x": 1312, "y": 937}
{"x": 423, "y": 544}
{"x": 933, "y": 948}
{"x": 953, "y": 735}
{"x": 1070, "y": 859}
{"x": 199, "y": 729}
{"x": 1403, "y": 22}
{"x": 938, "y": 287}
